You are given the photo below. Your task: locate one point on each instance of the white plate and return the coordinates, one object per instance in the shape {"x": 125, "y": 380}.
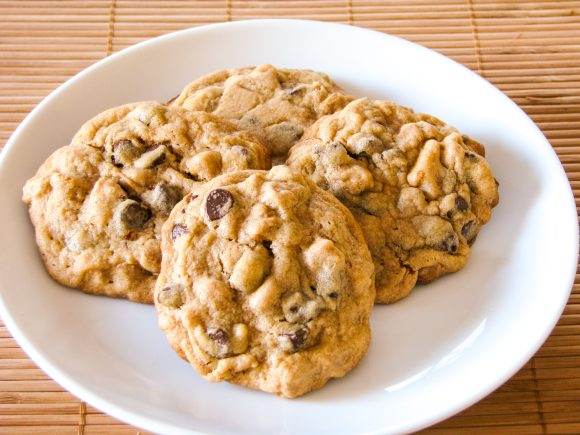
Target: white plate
{"x": 433, "y": 354}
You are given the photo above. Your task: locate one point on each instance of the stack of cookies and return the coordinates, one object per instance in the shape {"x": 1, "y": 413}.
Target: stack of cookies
{"x": 263, "y": 212}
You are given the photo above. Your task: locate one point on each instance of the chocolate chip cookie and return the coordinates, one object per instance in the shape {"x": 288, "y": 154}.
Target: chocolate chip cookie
{"x": 266, "y": 281}
{"x": 275, "y": 104}
{"x": 419, "y": 189}
{"x": 98, "y": 204}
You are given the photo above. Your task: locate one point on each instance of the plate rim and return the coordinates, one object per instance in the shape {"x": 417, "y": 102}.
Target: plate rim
{"x": 152, "y": 424}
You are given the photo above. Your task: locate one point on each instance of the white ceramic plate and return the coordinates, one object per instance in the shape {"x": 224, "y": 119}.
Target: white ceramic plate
{"x": 433, "y": 354}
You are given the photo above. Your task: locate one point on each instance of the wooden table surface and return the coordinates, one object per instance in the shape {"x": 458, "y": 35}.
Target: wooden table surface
{"x": 530, "y": 50}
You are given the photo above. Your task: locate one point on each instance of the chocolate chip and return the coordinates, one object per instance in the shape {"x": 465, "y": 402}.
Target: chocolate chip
{"x": 163, "y": 198}
{"x": 178, "y": 231}
{"x": 218, "y": 335}
{"x": 469, "y": 231}
{"x": 450, "y": 244}
{"x": 298, "y": 338}
{"x": 218, "y": 204}
{"x": 333, "y": 295}
{"x": 466, "y": 229}
{"x": 473, "y": 187}
{"x": 124, "y": 152}
{"x": 461, "y": 203}
{"x": 299, "y": 309}
{"x": 268, "y": 245}
{"x": 351, "y": 154}
{"x": 133, "y": 215}
{"x": 471, "y": 156}
{"x": 171, "y": 296}
{"x": 128, "y": 189}
{"x": 159, "y": 160}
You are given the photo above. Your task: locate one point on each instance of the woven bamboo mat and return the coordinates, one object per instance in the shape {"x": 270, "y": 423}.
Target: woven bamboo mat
{"x": 530, "y": 50}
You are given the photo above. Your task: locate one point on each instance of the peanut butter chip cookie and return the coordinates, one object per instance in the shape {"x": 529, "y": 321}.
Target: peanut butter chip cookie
{"x": 419, "y": 189}
{"x": 275, "y": 104}
{"x": 266, "y": 281}
{"x": 98, "y": 204}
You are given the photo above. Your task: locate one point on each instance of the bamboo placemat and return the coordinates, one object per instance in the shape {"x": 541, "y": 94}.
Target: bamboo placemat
{"x": 530, "y": 50}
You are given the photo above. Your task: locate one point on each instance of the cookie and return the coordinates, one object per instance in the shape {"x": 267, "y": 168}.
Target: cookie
{"x": 98, "y": 204}
{"x": 266, "y": 281}
{"x": 420, "y": 190}
{"x": 275, "y": 104}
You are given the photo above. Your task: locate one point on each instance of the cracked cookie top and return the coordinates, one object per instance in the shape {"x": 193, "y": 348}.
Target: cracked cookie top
{"x": 266, "y": 281}
{"x": 275, "y": 104}
{"x": 419, "y": 189}
{"x": 98, "y": 204}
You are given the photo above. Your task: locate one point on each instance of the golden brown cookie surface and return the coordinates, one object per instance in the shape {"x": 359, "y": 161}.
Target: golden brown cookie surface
{"x": 266, "y": 282}
{"x": 419, "y": 189}
{"x": 275, "y": 104}
{"x": 98, "y": 204}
